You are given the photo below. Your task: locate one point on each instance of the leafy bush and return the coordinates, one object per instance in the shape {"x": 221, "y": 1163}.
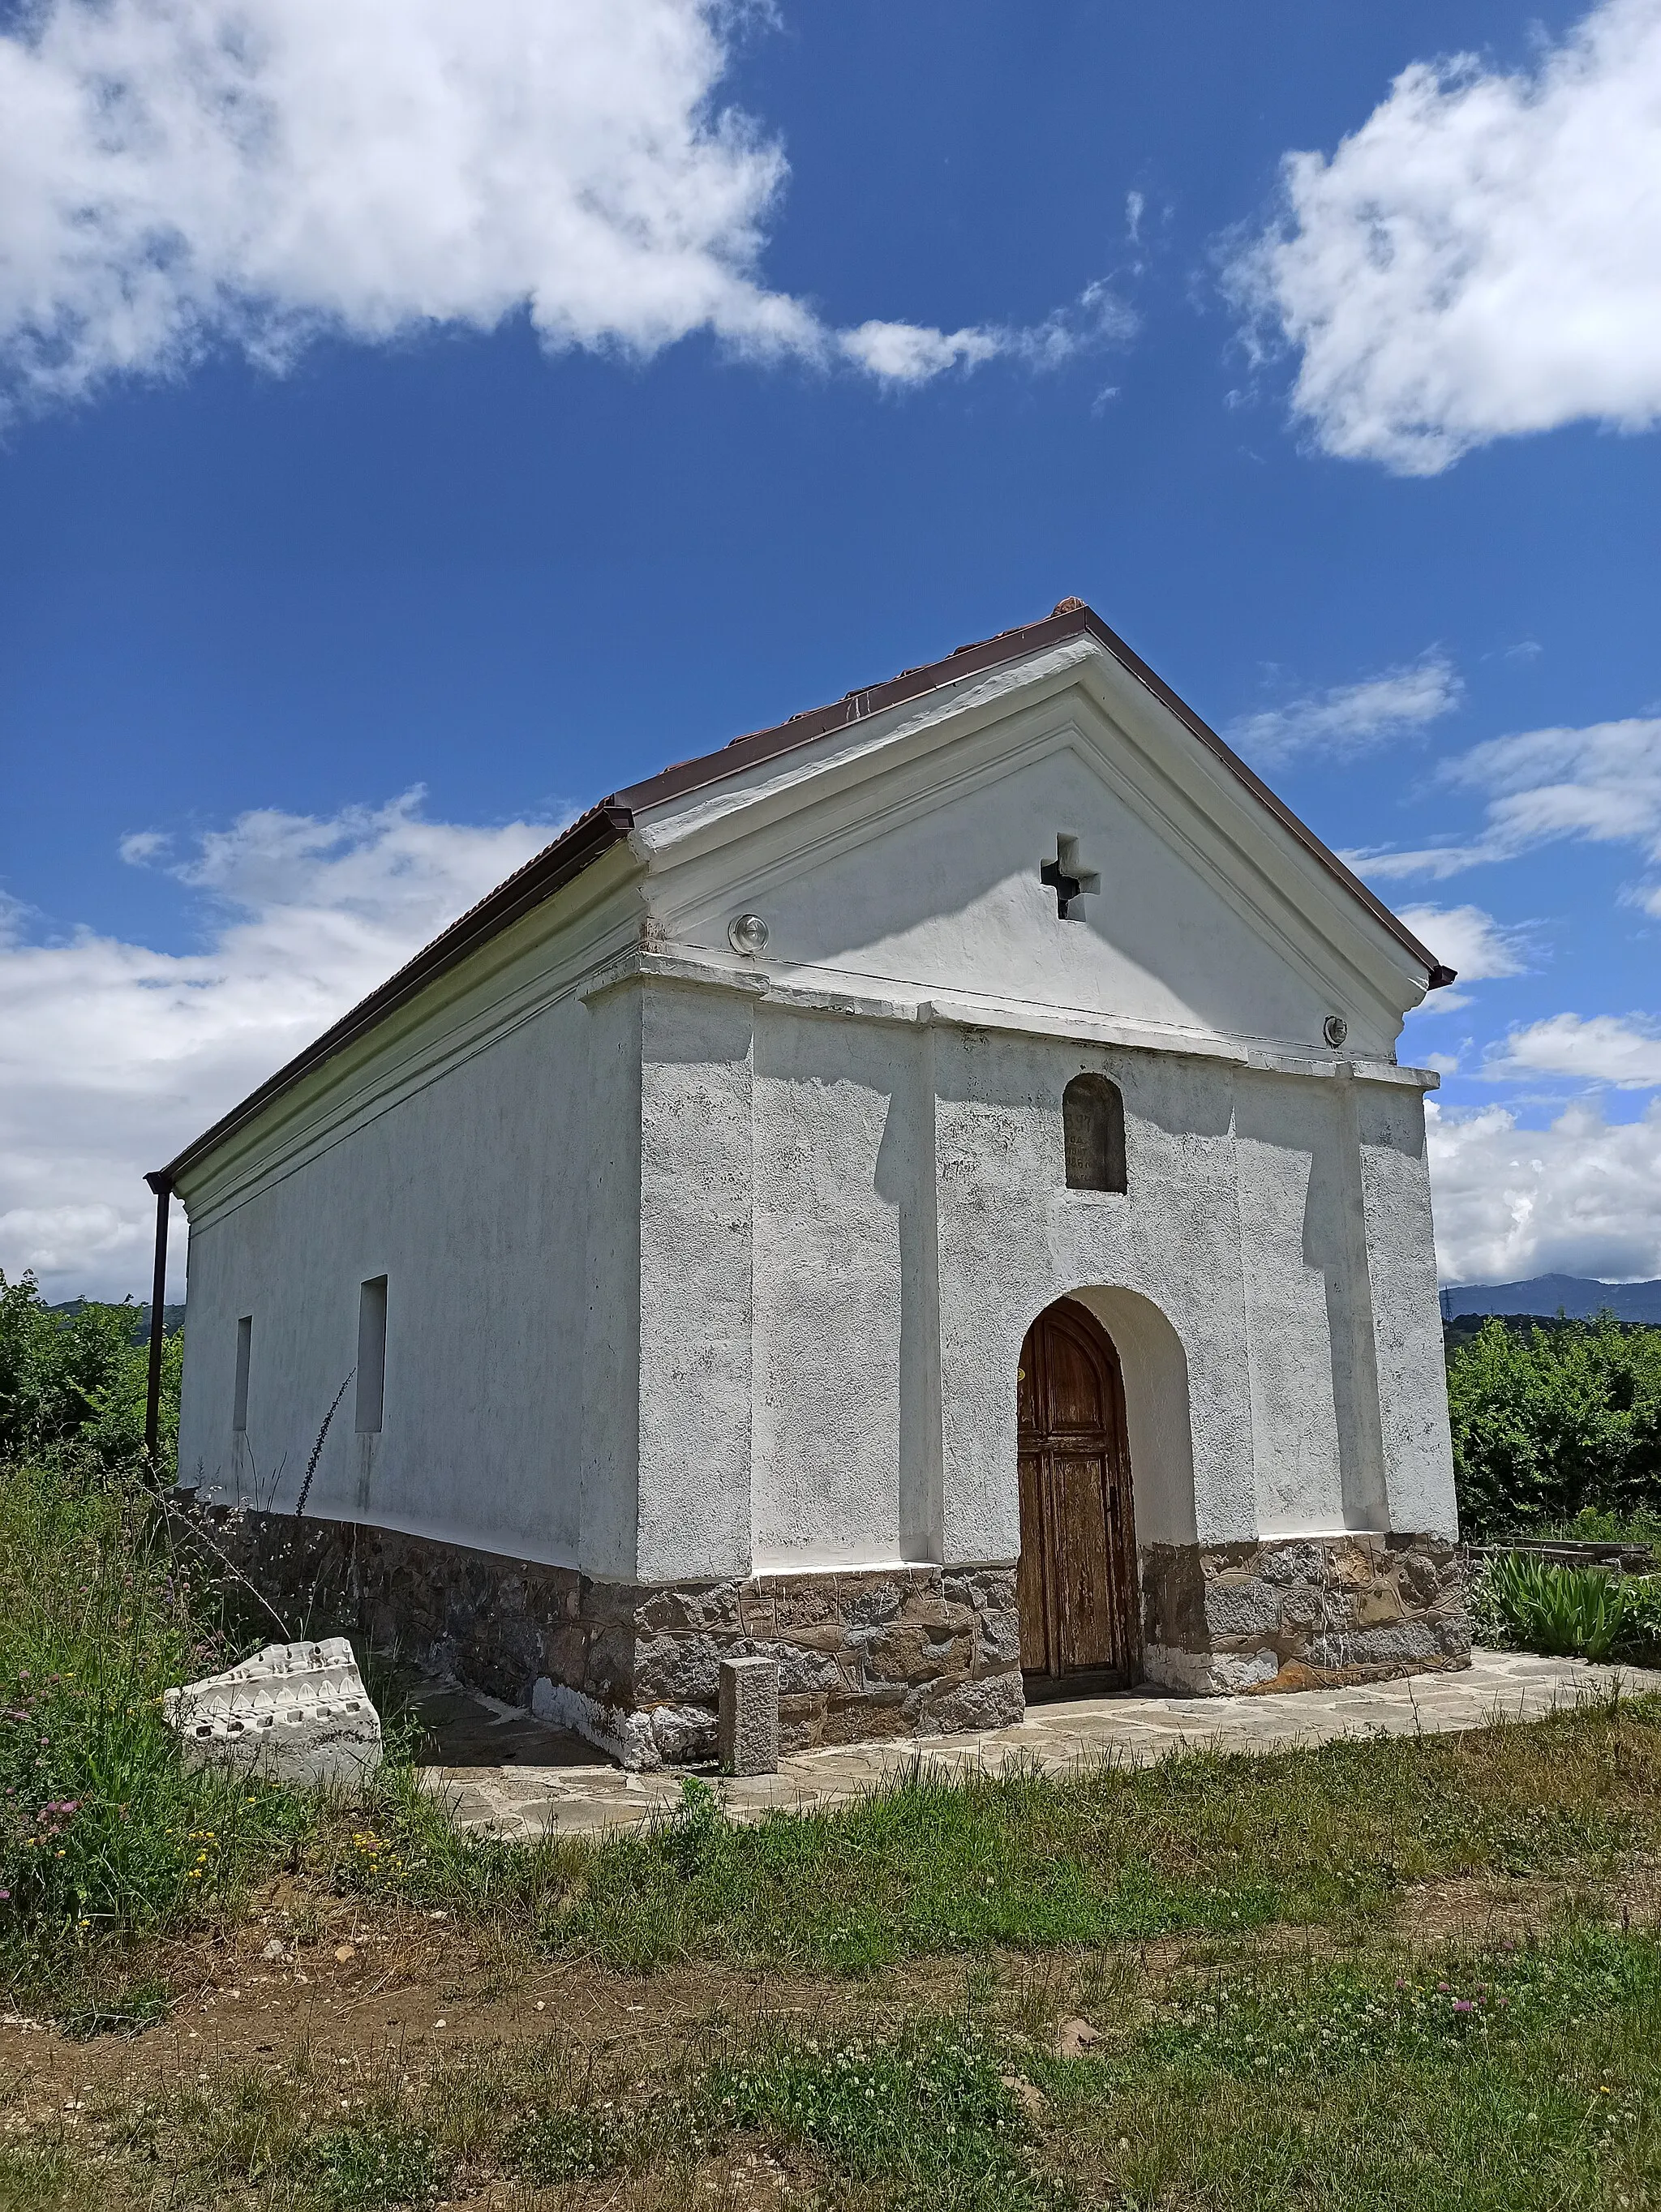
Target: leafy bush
{"x": 79, "y": 1379}
{"x": 1554, "y": 1422}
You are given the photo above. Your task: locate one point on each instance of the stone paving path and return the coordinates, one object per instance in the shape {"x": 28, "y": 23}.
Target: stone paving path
{"x": 510, "y": 1774}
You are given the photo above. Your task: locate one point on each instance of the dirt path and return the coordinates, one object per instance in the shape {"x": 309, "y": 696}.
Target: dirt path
{"x": 370, "y": 1982}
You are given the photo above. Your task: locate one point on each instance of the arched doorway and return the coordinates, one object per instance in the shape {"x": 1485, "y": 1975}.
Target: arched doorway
{"x": 1077, "y": 1586}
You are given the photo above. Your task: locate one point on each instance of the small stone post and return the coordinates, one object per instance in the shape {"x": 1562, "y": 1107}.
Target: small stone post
{"x": 747, "y": 1729}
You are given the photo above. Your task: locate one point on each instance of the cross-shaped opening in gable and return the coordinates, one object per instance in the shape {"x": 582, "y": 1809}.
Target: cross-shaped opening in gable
{"x": 1069, "y": 877}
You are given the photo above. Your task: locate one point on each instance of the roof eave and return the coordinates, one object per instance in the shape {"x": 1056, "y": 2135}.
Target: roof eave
{"x": 610, "y": 823}
{"x": 576, "y": 849}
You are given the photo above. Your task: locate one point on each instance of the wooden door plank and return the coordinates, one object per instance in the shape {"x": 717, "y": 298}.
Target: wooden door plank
{"x": 1031, "y": 1597}
{"x": 1084, "y": 1574}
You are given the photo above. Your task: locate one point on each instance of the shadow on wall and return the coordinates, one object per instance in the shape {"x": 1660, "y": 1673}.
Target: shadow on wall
{"x": 1335, "y": 1244}
{"x": 1156, "y": 1412}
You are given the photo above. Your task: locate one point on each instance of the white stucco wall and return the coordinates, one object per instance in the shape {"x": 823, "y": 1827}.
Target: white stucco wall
{"x": 910, "y": 1219}
{"x": 834, "y": 1173}
{"x": 698, "y": 1264}
{"x": 697, "y": 1137}
{"x": 472, "y": 1199}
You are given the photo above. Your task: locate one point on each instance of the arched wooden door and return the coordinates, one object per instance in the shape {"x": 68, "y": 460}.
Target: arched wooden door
{"x": 1077, "y": 1584}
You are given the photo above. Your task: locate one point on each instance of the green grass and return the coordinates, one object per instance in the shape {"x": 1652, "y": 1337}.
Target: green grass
{"x": 1591, "y": 1525}
{"x": 1505, "y": 2079}
{"x": 106, "y": 1841}
{"x": 1200, "y": 1843}
{"x": 1233, "y": 2078}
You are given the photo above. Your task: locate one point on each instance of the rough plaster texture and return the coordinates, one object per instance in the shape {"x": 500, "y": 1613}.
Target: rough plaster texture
{"x": 445, "y": 1195}
{"x": 702, "y": 1269}
{"x": 747, "y": 1725}
{"x": 295, "y": 1712}
{"x": 696, "y": 1310}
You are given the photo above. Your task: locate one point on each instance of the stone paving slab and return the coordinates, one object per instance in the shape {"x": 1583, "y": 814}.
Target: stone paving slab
{"x": 510, "y": 1775}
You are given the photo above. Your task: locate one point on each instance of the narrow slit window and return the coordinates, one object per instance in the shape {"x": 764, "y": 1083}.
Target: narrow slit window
{"x": 371, "y": 1355}
{"x": 1093, "y": 1132}
{"x": 240, "y": 1396}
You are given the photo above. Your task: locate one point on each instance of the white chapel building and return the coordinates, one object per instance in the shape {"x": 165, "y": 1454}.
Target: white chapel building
{"x": 926, "y": 1193}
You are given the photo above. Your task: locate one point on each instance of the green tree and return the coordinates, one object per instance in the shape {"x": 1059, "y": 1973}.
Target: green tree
{"x": 1552, "y": 1422}
{"x": 80, "y": 1378}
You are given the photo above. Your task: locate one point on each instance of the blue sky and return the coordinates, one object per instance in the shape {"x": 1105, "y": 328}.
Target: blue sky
{"x": 315, "y": 497}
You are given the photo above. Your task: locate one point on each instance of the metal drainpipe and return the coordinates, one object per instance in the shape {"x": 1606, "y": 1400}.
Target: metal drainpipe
{"x": 163, "y": 1189}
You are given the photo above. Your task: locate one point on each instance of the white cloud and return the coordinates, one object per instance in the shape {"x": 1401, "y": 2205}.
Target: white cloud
{"x": 1602, "y": 784}
{"x": 1351, "y": 718}
{"x": 1480, "y": 258}
{"x": 1602, "y": 1049}
{"x": 112, "y": 1056}
{"x": 180, "y": 174}
{"x": 902, "y": 353}
{"x": 1581, "y": 1198}
{"x": 1473, "y": 944}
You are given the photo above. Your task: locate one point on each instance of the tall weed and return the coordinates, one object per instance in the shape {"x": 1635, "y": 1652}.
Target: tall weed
{"x": 101, "y": 1827}
{"x": 1583, "y": 1613}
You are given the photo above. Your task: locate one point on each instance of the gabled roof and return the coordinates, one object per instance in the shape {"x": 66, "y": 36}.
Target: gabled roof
{"x": 610, "y": 821}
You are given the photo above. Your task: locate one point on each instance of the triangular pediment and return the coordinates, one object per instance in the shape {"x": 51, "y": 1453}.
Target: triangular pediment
{"x": 899, "y": 837}
{"x": 913, "y": 853}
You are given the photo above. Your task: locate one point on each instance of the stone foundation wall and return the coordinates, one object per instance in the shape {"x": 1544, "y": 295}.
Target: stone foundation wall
{"x": 1301, "y": 1613}
{"x": 892, "y": 1652}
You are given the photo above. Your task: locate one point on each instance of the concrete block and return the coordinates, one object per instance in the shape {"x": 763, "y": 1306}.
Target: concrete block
{"x": 747, "y": 1733}
{"x": 297, "y": 1712}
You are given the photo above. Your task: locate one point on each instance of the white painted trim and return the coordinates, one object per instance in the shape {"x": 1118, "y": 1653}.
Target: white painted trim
{"x": 1062, "y": 1023}
{"x": 777, "y": 850}
{"x": 1157, "y": 755}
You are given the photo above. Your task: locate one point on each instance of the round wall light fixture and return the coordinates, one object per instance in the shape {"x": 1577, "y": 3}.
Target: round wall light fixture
{"x": 747, "y": 934}
{"x": 1335, "y": 1028}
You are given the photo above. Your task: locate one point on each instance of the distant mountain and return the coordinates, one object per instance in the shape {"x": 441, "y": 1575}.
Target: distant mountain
{"x": 1574, "y": 1295}
{"x": 172, "y": 1317}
